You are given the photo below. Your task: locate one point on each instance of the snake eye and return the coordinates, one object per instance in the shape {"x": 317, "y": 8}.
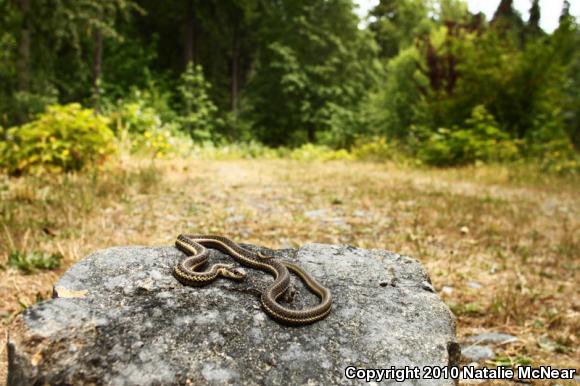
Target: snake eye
{"x": 234, "y": 273}
{"x": 238, "y": 272}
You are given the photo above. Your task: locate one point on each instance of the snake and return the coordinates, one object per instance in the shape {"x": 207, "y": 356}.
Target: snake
{"x": 194, "y": 247}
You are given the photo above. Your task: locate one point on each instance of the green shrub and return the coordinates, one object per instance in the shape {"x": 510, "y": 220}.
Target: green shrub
{"x": 162, "y": 142}
{"x": 27, "y": 105}
{"x": 142, "y": 129}
{"x": 559, "y": 157}
{"x": 30, "y": 262}
{"x": 64, "y": 138}
{"x": 479, "y": 140}
{"x": 199, "y": 117}
{"x": 376, "y": 149}
{"x": 310, "y": 152}
{"x": 135, "y": 117}
{"x": 3, "y": 147}
{"x": 553, "y": 150}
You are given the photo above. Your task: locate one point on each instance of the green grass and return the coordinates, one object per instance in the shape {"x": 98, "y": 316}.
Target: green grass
{"x": 31, "y": 262}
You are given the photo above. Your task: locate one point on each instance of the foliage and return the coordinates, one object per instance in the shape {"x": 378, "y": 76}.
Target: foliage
{"x": 157, "y": 142}
{"x": 199, "y": 112}
{"x": 129, "y": 66}
{"x": 290, "y": 72}
{"x": 310, "y": 152}
{"x": 135, "y": 115}
{"x": 30, "y": 262}
{"x": 316, "y": 69}
{"x": 395, "y": 107}
{"x": 375, "y": 149}
{"x": 397, "y": 23}
{"x": 566, "y": 41}
{"x": 28, "y": 104}
{"x": 553, "y": 151}
{"x": 479, "y": 140}
{"x": 64, "y": 138}
{"x": 142, "y": 129}
{"x": 53, "y": 42}
{"x": 511, "y": 362}
{"x": 255, "y": 150}
{"x": 432, "y": 90}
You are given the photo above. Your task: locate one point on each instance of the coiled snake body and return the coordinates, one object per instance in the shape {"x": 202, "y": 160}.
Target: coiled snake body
{"x": 194, "y": 247}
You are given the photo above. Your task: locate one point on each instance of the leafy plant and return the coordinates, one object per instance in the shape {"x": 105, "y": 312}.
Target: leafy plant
{"x": 64, "y": 138}
{"x": 135, "y": 117}
{"x": 30, "y": 262}
{"x": 479, "y": 140}
{"x": 143, "y": 128}
{"x": 310, "y": 152}
{"x": 199, "y": 113}
{"x": 554, "y": 151}
{"x": 311, "y": 83}
{"x": 512, "y": 362}
{"x": 460, "y": 309}
{"x": 376, "y": 149}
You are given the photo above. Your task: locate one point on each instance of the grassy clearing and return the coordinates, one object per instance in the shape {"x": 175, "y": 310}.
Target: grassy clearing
{"x": 505, "y": 242}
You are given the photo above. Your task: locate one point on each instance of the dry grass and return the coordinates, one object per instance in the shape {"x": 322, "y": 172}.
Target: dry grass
{"x": 516, "y": 235}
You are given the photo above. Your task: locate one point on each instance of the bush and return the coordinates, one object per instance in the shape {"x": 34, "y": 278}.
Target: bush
{"x": 24, "y": 106}
{"x": 30, "y": 262}
{"x": 135, "y": 117}
{"x": 552, "y": 148}
{"x": 310, "y": 152}
{"x": 142, "y": 129}
{"x": 376, "y": 149}
{"x": 64, "y": 138}
{"x": 561, "y": 165}
{"x": 199, "y": 117}
{"x": 3, "y": 147}
{"x": 479, "y": 140}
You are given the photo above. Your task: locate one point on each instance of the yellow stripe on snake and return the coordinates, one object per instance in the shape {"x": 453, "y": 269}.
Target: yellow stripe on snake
{"x": 194, "y": 247}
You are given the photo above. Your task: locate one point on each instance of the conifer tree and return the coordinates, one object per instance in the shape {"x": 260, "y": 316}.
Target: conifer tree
{"x": 533, "y": 29}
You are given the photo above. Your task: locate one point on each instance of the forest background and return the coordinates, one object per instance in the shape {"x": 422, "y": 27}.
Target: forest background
{"x": 423, "y": 81}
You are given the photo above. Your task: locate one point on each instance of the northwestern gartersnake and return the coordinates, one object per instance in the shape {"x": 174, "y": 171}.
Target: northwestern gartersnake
{"x": 194, "y": 247}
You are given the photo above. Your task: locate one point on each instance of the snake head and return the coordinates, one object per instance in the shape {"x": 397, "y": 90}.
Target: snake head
{"x": 233, "y": 273}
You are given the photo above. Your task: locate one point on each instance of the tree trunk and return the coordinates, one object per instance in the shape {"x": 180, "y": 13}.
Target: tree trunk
{"x": 311, "y": 133}
{"x": 97, "y": 64}
{"x": 189, "y": 38}
{"x": 23, "y": 62}
{"x": 235, "y": 72}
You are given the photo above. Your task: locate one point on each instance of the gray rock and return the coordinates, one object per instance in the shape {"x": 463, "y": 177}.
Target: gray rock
{"x": 477, "y": 353}
{"x": 494, "y": 338}
{"x": 120, "y": 318}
